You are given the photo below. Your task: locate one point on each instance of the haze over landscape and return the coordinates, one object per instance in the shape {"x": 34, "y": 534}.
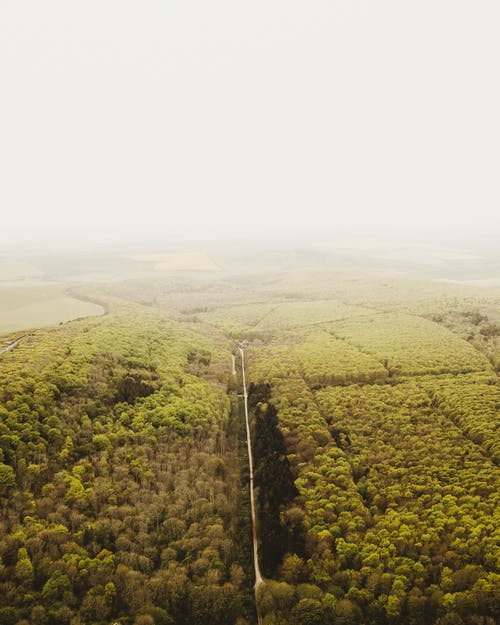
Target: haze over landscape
{"x": 249, "y": 312}
{"x": 126, "y": 121}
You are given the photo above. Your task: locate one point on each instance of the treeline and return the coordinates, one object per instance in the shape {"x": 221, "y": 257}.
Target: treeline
{"x": 477, "y": 324}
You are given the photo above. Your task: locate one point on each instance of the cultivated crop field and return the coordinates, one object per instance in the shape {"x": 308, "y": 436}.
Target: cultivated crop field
{"x": 34, "y": 305}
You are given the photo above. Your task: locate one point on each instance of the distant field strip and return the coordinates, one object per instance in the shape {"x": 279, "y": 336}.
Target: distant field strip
{"x": 15, "y": 269}
{"x": 181, "y": 261}
{"x": 27, "y": 307}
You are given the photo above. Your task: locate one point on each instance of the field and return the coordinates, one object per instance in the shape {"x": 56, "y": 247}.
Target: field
{"x": 18, "y": 269}
{"x": 35, "y": 305}
{"x": 180, "y": 261}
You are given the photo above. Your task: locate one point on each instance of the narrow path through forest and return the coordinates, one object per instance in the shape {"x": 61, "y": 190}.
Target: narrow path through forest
{"x": 11, "y": 346}
{"x": 258, "y": 576}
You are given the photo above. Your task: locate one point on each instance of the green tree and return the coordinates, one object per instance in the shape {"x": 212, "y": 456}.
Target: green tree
{"x": 7, "y": 478}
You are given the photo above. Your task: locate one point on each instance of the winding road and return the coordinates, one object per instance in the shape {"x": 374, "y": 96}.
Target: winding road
{"x": 258, "y": 576}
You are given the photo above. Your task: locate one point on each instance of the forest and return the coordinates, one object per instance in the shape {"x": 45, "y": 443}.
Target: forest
{"x": 374, "y": 407}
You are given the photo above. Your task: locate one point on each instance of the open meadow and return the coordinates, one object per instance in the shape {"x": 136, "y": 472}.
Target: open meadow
{"x": 27, "y": 305}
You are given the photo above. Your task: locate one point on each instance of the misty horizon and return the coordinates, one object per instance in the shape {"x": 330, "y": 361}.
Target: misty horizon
{"x": 176, "y": 122}
{"x": 249, "y": 312}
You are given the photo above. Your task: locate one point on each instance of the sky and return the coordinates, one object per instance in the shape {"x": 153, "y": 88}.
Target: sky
{"x": 190, "y": 119}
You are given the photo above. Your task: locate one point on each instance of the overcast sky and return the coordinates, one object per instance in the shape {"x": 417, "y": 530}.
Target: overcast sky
{"x": 189, "y": 118}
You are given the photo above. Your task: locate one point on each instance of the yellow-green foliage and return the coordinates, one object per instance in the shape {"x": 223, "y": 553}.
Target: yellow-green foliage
{"x": 269, "y": 363}
{"x": 237, "y": 321}
{"x": 118, "y": 487}
{"x": 472, "y": 402}
{"x": 389, "y": 485}
{"x": 119, "y": 463}
{"x": 397, "y": 478}
{"x": 318, "y": 356}
{"x": 410, "y": 345}
{"x": 294, "y": 314}
{"x": 324, "y": 360}
{"x": 412, "y": 462}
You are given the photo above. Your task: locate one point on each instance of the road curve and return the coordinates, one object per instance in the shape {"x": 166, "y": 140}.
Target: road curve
{"x": 258, "y": 576}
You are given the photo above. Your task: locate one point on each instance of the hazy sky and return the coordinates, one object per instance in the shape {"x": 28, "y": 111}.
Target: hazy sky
{"x": 122, "y": 118}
